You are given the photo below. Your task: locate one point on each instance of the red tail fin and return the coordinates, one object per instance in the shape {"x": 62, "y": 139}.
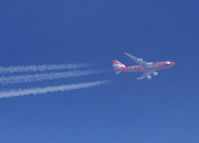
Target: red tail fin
{"x": 118, "y": 66}
{"x": 116, "y": 62}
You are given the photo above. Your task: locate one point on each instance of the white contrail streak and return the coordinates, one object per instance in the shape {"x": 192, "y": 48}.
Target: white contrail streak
{"x": 50, "y": 89}
{"x": 46, "y": 76}
{"x": 36, "y": 68}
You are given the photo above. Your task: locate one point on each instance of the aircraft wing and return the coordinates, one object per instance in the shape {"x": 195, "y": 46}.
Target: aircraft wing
{"x": 137, "y": 60}
{"x": 145, "y": 75}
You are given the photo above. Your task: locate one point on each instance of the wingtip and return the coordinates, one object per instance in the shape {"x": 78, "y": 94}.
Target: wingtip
{"x": 126, "y": 53}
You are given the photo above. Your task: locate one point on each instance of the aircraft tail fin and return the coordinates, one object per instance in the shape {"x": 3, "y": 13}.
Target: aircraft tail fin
{"x": 118, "y": 66}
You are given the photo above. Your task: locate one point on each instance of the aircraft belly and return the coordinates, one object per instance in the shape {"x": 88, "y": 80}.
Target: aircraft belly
{"x": 133, "y": 69}
{"x": 140, "y": 68}
{"x": 149, "y": 69}
{"x": 136, "y": 69}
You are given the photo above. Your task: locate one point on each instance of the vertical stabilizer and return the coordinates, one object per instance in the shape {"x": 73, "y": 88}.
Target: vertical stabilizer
{"x": 118, "y": 66}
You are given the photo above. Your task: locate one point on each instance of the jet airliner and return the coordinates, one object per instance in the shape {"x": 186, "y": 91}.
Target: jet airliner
{"x": 148, "y": 68}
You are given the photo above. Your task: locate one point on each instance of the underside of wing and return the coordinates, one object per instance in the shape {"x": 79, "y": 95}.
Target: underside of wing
{"x": 146, "y": 75}
{"x": 137, "y": 60}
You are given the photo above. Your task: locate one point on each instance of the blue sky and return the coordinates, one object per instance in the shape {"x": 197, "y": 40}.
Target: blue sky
{"x": 164, "y": 109}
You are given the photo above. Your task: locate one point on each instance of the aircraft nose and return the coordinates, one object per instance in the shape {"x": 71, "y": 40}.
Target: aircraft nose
{"x": 170, "y": 64}
{"x": 173, "y": 63}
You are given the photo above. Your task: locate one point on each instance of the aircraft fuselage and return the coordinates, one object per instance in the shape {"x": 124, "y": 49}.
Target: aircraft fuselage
{"x": 153, "y": 67}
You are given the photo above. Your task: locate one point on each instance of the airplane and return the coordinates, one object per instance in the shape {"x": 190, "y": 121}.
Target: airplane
{"x": 148, "y": 68}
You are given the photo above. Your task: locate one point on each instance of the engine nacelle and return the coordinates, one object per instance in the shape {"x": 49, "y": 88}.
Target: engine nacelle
{"x": 155, "y": 73}
{"x": 140, "y": 59}
{"x": 148, "y": 77}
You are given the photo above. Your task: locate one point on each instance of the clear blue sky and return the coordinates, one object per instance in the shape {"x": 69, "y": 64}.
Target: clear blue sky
{"x": 162, "y": 110}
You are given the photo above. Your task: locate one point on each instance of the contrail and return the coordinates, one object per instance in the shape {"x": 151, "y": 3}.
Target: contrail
{"x": 50, "y": 89}
{"x": 36, "y": 68}
{"x": 46, "y": 76}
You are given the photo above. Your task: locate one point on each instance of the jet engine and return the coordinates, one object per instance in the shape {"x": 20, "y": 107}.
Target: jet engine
{"x": 149, "y": 77}
{"x": 155, "y": 73}
{"x": 140, "y": 59}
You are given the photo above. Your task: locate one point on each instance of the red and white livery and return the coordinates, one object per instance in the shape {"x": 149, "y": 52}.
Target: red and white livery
{"x": 148, "y": 68}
